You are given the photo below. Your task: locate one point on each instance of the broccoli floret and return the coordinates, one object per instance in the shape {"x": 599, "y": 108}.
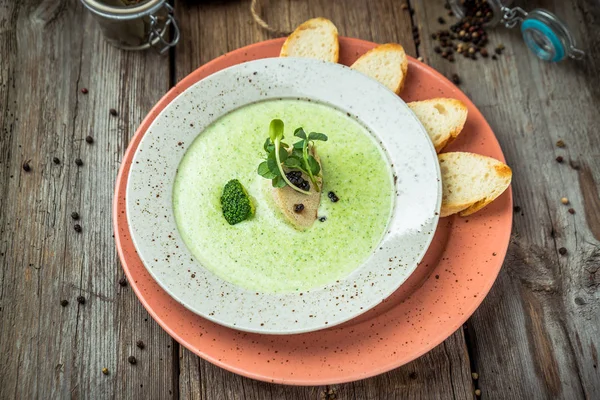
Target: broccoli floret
{"x": 236, "y": 203}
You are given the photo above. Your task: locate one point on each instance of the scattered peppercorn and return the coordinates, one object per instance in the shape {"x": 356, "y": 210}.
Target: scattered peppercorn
{"x": 105, "y": 371}
{"x": 562, "y": 251}
{"x": 78, "y": 162}
{"x": 559, "y": 159}
{"x": 77, "y": 228}
{"x": 84, "y": 91}
{"x": 516, "y": 209}
{"x": 484, "y": 53}
{"x": 456, "y": 79}
{"x": 140, "y": 345}
{"x": 560, "y": 144}
{"x": 571, "y": 211}
{"x": 564, "y": 200}
{"x": 113, "y": 112}
{"x": 333, "y": 197}
{"x": 132, "y": 360}
{"x": 477, "y": 392}
{"x": 81, "y": 299}
{"x": 298, "y": 208}
{"x": 75, "y": 215}
{"x": 322, "y": 219}
{"x": 494, "y": 57}
{"x": 26, "y": 166}
{"x": 55, "y": 160}
{"x": 64, "y": 303}
{"x": 89, "y": 139}
{"x": 123, "y": 282}
{"x": 475, "y": 376}
{"x": 404, "y": 6}
{"x": 441, "y": 20}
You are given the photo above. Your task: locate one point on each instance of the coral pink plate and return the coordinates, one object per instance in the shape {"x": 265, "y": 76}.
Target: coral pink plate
{"x": 449, "y": 284}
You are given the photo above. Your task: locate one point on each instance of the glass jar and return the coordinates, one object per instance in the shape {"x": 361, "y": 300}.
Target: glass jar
{"x": 543, "y": 32}
{"x": 135, "y": 25}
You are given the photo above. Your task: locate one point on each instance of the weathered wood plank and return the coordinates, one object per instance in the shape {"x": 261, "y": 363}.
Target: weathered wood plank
{"x": 49, "y": 51}
{"x": 443, "y": 373}
{"x": 212, "y": 29}
{"x": 537, "y": 333}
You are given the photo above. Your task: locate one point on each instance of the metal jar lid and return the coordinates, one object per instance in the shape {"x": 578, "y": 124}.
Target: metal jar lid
{"x": 147, "y": 9}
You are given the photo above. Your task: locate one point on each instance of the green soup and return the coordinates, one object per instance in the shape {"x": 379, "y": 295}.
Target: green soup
{"x": 265, "y": 253}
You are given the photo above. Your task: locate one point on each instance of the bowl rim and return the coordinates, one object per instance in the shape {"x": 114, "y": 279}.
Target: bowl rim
{"x": 225, "y": 316}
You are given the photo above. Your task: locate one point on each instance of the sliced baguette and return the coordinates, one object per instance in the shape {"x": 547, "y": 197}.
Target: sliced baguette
{"x": 470, "y": 182}
{"x": 286, "y": 198}
{"x": 387, "y": 64}
{"x": 315, "y": 38}
{"x": 443, "y": 119}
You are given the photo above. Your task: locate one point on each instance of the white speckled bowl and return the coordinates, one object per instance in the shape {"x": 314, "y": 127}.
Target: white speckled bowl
{"x": 410, "y": 230}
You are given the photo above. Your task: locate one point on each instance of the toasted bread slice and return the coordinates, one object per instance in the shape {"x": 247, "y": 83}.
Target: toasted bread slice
{"x": 315, "y": 38}
{"x": 470, "y": 182}
{"x": 286, "y": 199}
{"x": 387, "y": 64}
{"x": 443, "y": 119}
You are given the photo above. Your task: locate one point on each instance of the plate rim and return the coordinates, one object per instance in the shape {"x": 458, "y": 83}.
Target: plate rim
{"x": 435, "y": 340}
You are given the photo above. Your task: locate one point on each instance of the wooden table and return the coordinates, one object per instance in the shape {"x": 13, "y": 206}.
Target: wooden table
{"x": 536, "y": 335}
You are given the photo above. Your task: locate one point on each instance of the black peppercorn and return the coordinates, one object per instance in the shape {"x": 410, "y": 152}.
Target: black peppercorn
{"x": 81, "y": 299}
{"x": 132, "y": 360}
{"x": 55, "y": 160}
{"x": 26, "y": 166}
{"x": 140, "y": 345}
{"x": 75, "y": 215}
{"x": 77, "y": 228}
{"x": 562, "y": 251}
{"x": 89, "y": 139}
{"x": 64, "y": 303}
{"x": 113, "y": 112}
{"x": 78, "y": 162}
{"x": 123, "y": 282}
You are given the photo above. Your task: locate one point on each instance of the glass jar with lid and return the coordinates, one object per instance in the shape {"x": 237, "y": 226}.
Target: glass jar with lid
{"x": 136, "y": 24}
{"x": 543, "y": 32}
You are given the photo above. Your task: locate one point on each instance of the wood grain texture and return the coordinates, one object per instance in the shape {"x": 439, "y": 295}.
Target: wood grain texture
{"x": 535, "y": 336}
{"x": 49, "y": 51}
{"x": 537, "y": 333}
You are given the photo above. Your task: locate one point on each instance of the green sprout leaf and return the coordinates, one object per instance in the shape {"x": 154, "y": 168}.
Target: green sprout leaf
{"x": 278, "y": 182}
{"x": 293, "y": 163}
{"x": 279, "y": 156}
{"x": 283, "y": 154}
{"x": 317, "y": 136}
{"x": 265, "y": 171}
{"x": 268, "y": 146}
{"x": 314, "y": 166}
{"x": 276, "y": 131}
{"x": 300, "y": 133}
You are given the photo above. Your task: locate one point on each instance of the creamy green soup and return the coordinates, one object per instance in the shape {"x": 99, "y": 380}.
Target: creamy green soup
{"x": 266, "y": 253}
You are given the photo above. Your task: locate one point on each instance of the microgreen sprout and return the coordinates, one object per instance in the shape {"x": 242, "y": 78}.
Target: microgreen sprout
{"x": 296, "y": 158}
